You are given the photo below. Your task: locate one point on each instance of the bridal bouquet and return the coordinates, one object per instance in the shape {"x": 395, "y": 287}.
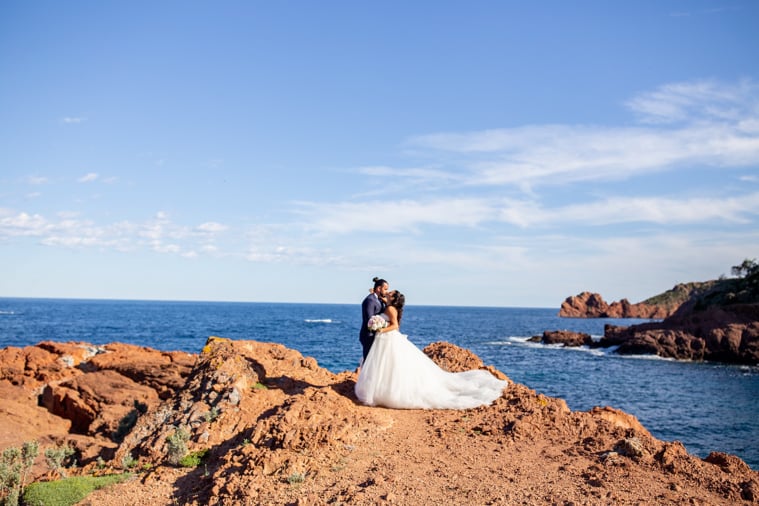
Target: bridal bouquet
{"x": 376, "y": 322}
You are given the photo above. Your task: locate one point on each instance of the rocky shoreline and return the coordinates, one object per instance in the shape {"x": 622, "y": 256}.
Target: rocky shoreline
{"x": 713, "y": 320}
{"x": 269, "y": 426}
{"x": 728, "y": 334}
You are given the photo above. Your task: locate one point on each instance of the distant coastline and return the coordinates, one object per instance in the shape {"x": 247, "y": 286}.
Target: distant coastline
{"x": 714, "y": 320}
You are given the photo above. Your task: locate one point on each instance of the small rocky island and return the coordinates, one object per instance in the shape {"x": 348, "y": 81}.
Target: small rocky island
{"x": 714, "y": 320}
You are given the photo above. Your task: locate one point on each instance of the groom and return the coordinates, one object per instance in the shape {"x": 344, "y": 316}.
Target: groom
{"x": 373, "y": 304}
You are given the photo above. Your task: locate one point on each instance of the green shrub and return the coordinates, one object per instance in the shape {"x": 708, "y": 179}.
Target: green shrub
{"x": 177, "y": 443}
{"x": 296, "y": 478}
{"x": 55, "y": 457}
{"x": 212, "y": 415}
{"x": 68, "y": 491}
{"x": 193, "y": 459}
{"x": 10, "y": 476}
{"x": 128, "y": 462}
{"x": 14, "y": 466}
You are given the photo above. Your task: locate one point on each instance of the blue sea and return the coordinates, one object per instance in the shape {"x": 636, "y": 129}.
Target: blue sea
{"x": 706, "y": 406}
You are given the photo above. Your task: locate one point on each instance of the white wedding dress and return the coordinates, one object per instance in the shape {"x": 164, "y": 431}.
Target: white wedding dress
{"x": 397, "y": 374}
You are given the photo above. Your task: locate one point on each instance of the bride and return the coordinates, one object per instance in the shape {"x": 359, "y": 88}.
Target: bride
{"x": 397, "y": 374}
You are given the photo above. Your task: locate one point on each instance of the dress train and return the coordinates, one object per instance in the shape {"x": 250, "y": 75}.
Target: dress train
{"x": 397, "y": 374}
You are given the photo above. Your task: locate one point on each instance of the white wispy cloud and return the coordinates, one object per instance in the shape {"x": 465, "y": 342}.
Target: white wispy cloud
{"x": 36, "y": 180}
{"x": 393, "y": 216}
{"x": 68, "y": 229}
{"x": 73, "y": 120}
{"x": 697, "y": 100}
{"x": 708, "y": 12}
{"x": 292, "y": 254}
{"x": 21, "y": 224}
{"x": 211, "y": 227}
{"x": 411, "y": 216}
{"x": 654, "y": 210}
{"x": 89, "y": 177}
{"x": 283, "y": 243}
{"x": 701, "y": 123}
{"x": 413, "y": 173}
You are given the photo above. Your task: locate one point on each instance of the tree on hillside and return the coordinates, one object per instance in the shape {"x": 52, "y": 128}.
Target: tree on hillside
{"x": 747, "y": 288}
{"x": 747, "y": 269}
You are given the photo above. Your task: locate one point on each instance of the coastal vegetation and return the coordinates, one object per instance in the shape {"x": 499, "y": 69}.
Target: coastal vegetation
{"x": 177, "y": 445}
{"x": 743, "y": 288}
{"x": 57, "y": 457}
{"x": 679, "y": 294}
{"x": 15, "y": 465}
{"x": 68, "y": 491}
{"x": 193, "y": 459}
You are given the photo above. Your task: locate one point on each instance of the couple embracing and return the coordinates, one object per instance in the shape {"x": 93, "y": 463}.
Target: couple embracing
{"x": 396, "y": 374}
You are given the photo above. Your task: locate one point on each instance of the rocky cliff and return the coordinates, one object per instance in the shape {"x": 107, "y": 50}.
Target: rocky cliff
{"x": 717, "y": 333}
{"x": 592, "y": 305}
{"x": 719, "y": 321}
{"x": 266, "y": 425}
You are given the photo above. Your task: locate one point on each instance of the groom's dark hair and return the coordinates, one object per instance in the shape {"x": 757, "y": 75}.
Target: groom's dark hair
{"x": 379, "y": 282}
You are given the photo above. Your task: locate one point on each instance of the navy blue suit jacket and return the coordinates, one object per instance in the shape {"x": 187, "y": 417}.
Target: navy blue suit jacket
{"x": 370, "y": 307}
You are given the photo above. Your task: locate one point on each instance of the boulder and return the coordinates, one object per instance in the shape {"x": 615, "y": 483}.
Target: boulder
{"x": 565, "y": 337}
{"x": 164, "y": 372}
{"x": 21, "y": 419}
{"x": 33, "y": 366}
{"x": 96, "y": 402}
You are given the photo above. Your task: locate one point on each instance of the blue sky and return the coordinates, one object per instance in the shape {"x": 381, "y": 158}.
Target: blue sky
{"x": 472, "y": 153}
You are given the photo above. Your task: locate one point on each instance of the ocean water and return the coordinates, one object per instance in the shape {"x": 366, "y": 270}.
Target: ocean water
{"x": 706, "y": 406}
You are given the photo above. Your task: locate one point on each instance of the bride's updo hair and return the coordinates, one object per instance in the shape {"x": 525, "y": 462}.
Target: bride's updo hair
{"x": 398, "y": 300}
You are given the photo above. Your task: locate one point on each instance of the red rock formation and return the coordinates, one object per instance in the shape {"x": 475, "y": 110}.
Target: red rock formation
{"x": 565, "y": 337}
{"x": 21, "y": 419}
{"x": 282, "y": 418}
{"x": 97, "y": 401}
{"x": 592, "y": 305}
{"x": 78, "y": 393}
{"x": 718, "y": 333}
{"x": 279, "y": 429}
{"x": 452, "y": 360}
{"x": 164, "y": 372}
